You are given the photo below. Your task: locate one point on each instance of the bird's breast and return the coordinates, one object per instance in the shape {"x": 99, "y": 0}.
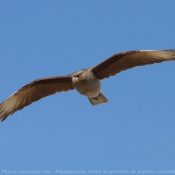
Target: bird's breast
{"x": 90, "y": 87}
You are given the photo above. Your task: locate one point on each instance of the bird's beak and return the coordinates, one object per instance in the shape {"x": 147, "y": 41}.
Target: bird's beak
{"x": 74, "y": 79}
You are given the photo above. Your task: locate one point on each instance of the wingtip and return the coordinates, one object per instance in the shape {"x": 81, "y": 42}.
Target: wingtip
{"x": 3, "y": 116}
{"x": 2, "y": 119}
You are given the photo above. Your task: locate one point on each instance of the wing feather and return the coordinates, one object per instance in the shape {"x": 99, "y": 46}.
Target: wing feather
{"x": 126, "y": 60}
{"x": 34, "y": 91}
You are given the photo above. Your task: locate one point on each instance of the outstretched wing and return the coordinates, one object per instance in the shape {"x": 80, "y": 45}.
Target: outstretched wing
{"x": 34, "y": 91}
{"x": 126, "y": 60}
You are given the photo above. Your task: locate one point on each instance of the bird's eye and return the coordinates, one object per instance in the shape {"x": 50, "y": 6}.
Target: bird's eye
{"x": 78, "y": 75}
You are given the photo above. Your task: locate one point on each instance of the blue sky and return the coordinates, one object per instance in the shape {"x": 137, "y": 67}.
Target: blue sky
{"x": 133, "y": 131}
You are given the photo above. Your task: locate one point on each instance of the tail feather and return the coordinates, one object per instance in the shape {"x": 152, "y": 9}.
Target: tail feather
{"x": 98, "y": 100}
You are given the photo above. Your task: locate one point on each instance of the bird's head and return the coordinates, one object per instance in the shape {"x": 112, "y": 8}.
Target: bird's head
{"x": 78, "y": 76}
{"x": 82, "y": 76}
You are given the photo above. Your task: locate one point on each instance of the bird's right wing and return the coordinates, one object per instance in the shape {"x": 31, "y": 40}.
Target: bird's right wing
{"x": 126, "y": 60}
{"x": 34, "y": 91}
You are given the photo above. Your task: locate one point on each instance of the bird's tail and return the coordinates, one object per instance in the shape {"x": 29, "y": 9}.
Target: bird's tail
{"x": 99, "y": 99}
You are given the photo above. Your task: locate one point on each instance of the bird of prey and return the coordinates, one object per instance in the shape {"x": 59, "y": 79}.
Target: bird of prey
{"x": 85, "y": 81}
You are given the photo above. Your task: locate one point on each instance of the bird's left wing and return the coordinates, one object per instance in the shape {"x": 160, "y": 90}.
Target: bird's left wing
{"x": 34, "y": 91}
{"x": 126, "y": 60}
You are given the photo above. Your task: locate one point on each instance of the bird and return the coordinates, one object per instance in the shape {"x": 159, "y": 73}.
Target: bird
{"x": 85, "y": 81}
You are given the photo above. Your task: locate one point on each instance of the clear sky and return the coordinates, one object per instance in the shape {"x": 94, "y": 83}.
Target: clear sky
{"x": 134, "y": 131}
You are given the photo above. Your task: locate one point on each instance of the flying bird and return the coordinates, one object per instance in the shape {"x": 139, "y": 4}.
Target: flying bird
{"x": 85, "y": 81}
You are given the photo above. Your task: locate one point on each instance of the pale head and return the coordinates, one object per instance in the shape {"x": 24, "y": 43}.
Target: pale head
{"x": 86, "y": 83}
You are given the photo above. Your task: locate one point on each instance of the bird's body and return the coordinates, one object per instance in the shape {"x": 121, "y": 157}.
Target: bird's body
{"x": 85, "y": 81}
{"x": 89, "y": 85}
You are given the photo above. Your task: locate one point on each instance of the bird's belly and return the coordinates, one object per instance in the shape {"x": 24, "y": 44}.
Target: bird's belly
{"x": 89, "y": 92}
{"x": 92, "y": 93}
{"x": 89, "y": 89}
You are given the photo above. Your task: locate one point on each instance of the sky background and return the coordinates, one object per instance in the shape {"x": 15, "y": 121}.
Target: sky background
{"x": 135, "y": 130}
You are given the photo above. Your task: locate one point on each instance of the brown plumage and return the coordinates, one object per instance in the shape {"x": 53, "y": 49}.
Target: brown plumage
{"x": 86, "y": 81}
